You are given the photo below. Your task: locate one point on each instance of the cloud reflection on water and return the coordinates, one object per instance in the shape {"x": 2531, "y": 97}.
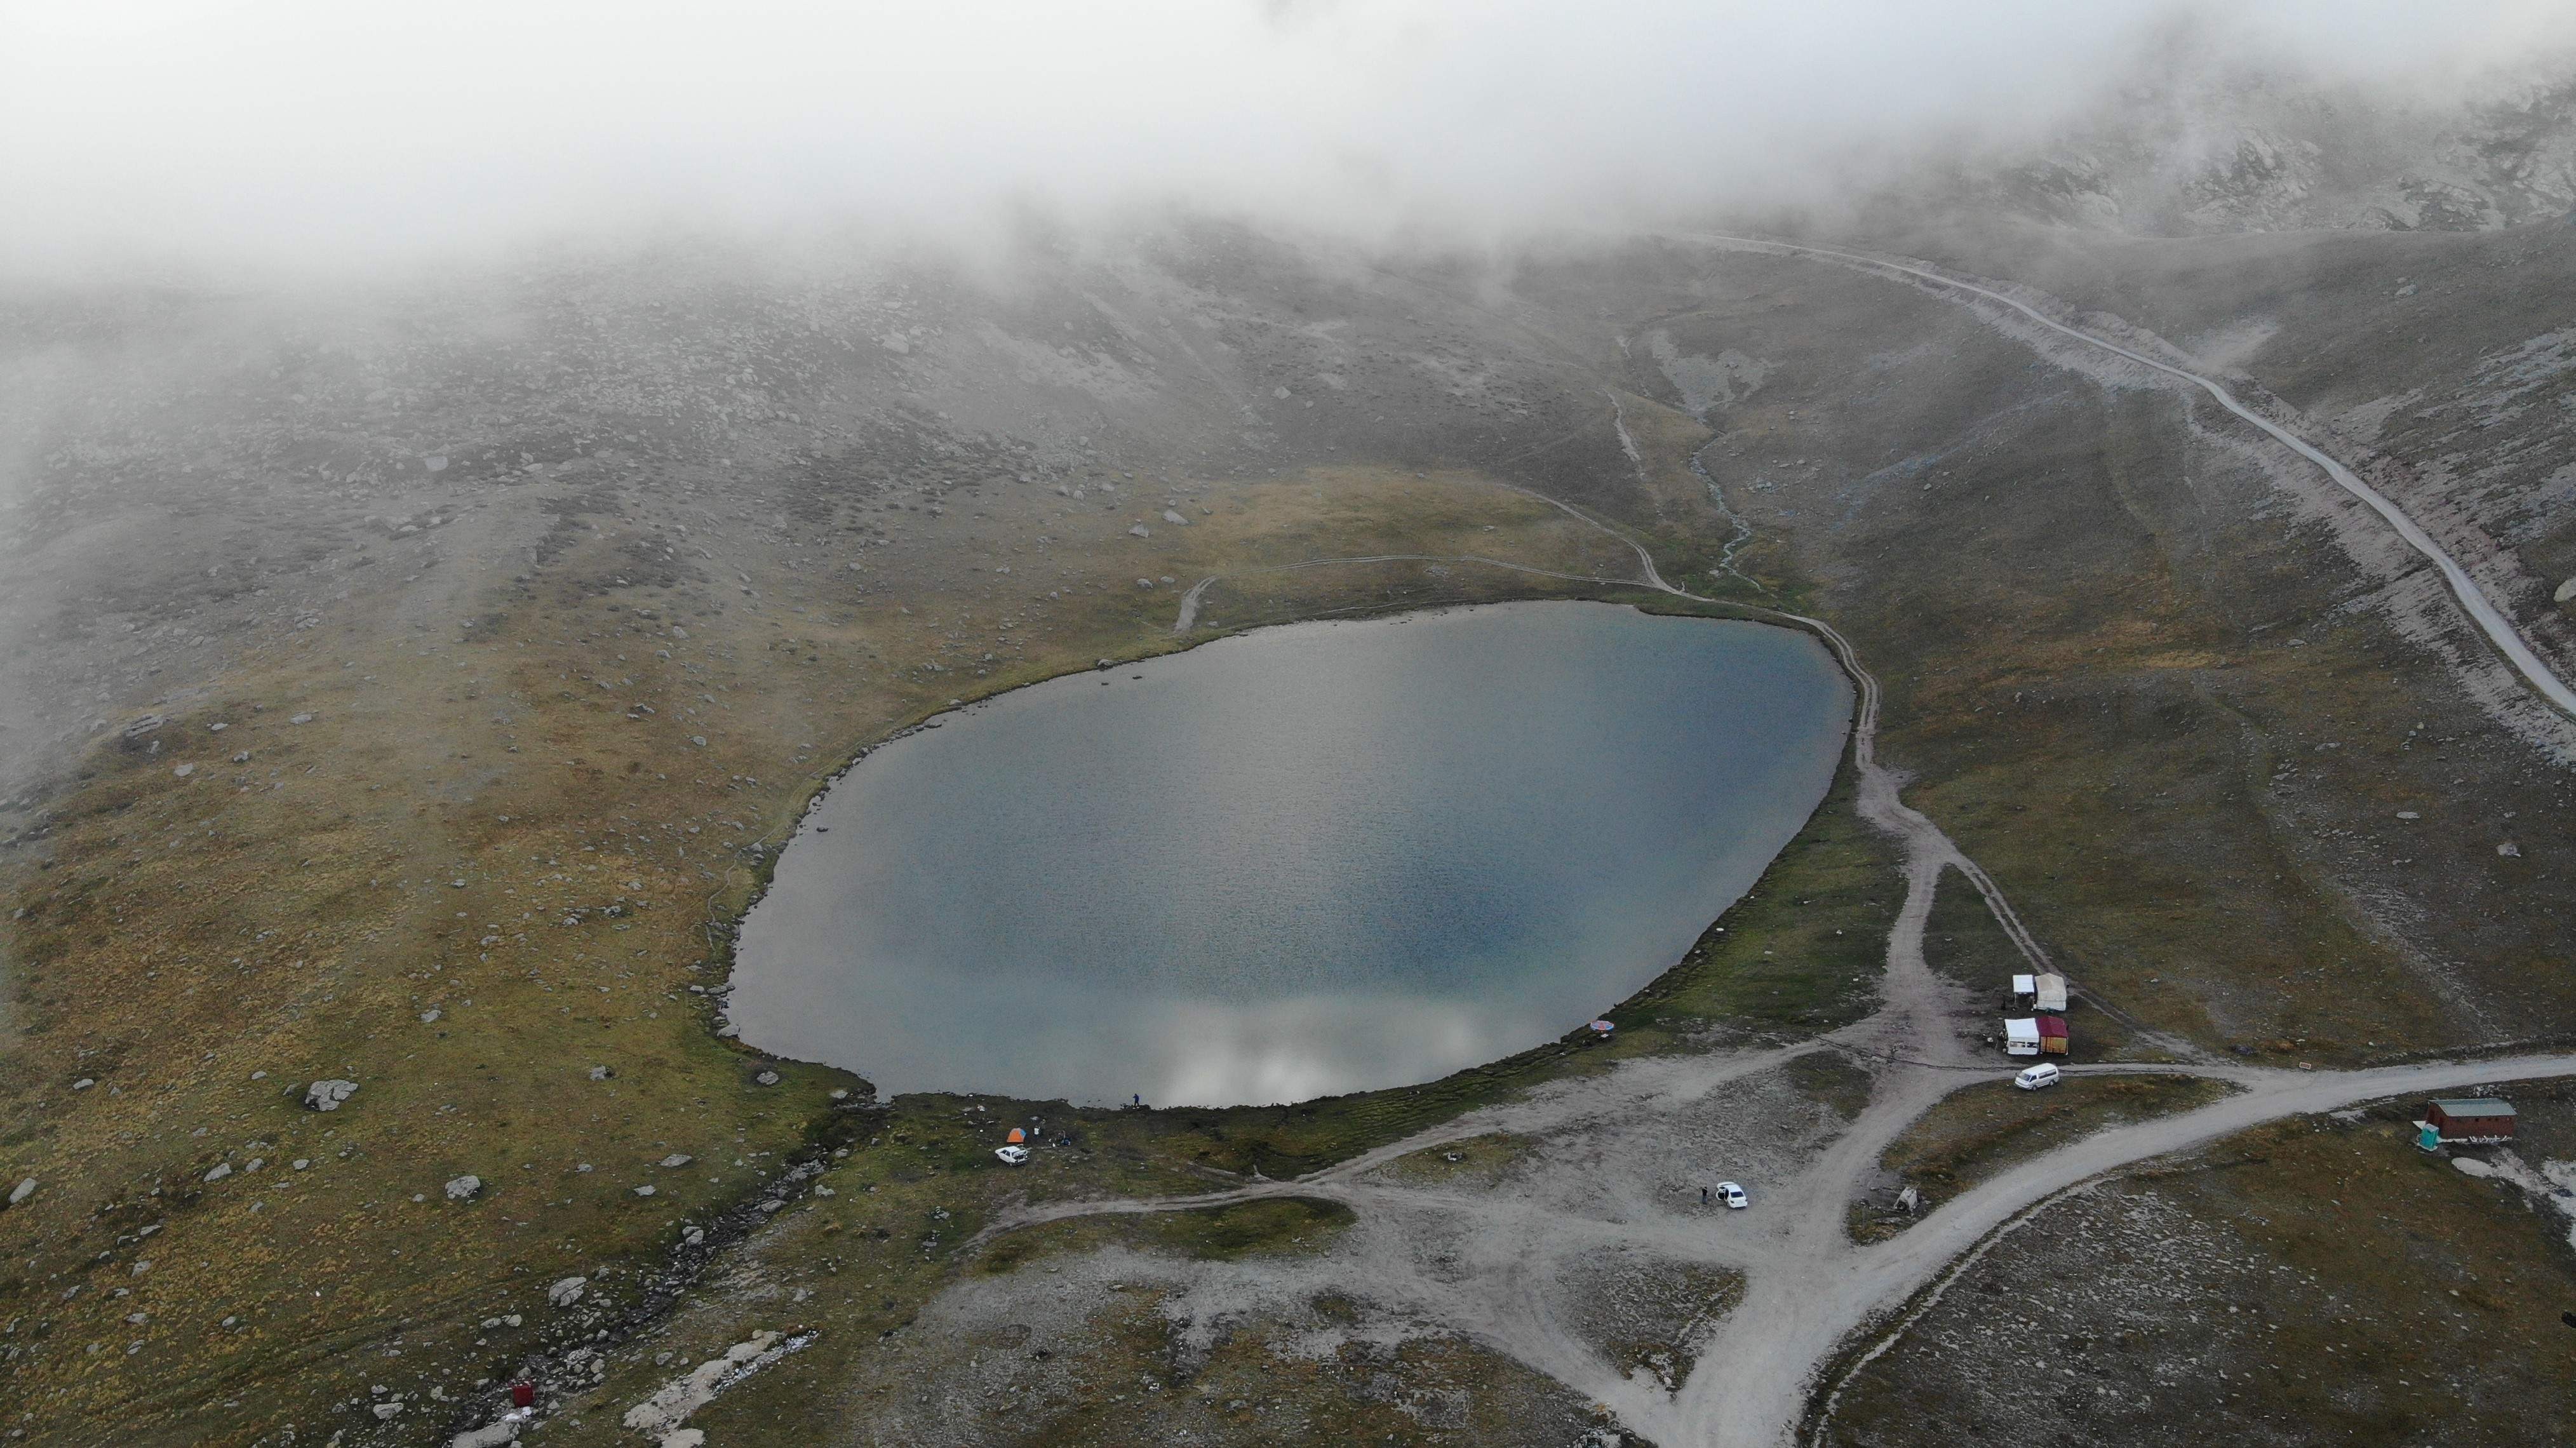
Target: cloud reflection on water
{"x": 1300, "y": 862}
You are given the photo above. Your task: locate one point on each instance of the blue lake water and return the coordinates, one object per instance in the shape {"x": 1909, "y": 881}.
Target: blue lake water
{"x": 1297, "y": 862}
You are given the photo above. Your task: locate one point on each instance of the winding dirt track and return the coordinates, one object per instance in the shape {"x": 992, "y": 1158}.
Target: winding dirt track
{"x": 1808, "y": 1288}
{"x": 2472, "y": 599}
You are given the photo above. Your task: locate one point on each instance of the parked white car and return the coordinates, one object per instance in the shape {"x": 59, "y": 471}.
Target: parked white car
{"x": 1733, "y": 1196}
{"x": 1011, "y": 1155}
{"x": 2035, "y": 1077}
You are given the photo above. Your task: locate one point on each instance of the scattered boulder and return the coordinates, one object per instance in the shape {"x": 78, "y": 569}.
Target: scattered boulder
{"x": 301, "y": 719}
{"x": 677, "y": 1158}
{"x": 567, "y": 1291}
{"x": 387, "y": 1412}
{"x": 2566, "y": 592}
{"x": 645, "y": 1190}
{"x": 601, "y": 1073}
{"x": 766, "y": 1078}
{"x": 494, "y": 1436}
{"x": 327, "y": 1095}
{"x": 464, "y": 1188}
{"x": 22, "y": 1191}
{"x": 222, "y": 1170}
{"x": 2509, "y": 850}
{"x": 1170, "y": 516}
{"x": 1140, "y": 531}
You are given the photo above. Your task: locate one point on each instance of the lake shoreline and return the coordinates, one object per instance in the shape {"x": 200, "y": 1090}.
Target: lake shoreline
{"x": 1697, "y": 706}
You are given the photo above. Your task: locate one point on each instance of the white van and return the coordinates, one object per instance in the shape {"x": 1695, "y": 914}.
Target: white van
{"x": 2036, "y": 1077}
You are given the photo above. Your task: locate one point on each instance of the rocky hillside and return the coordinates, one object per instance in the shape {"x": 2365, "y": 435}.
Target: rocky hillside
{"x": 2190, "y": 146}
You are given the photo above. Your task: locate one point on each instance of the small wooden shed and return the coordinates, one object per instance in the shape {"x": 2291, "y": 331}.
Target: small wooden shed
{"x": 2471, "y": 1119}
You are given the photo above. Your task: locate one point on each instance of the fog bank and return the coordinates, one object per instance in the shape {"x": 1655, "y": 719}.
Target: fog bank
{"x": 169, "y": 133}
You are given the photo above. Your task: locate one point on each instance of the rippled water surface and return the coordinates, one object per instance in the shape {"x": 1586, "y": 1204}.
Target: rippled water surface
{"x": 1303, "y": 861}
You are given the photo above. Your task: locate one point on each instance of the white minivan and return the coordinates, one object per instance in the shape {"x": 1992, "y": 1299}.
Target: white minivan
{"x": 2035, "y": 1077}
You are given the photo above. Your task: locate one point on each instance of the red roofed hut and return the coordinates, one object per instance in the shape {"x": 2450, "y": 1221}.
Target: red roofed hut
{"x": 2052, "y": 1035}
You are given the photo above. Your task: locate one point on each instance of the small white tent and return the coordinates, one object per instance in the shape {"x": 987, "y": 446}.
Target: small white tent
{"x": 2051, "y": 998}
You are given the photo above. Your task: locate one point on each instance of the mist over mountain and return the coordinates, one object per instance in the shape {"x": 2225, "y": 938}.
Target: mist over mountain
{"x": 310, "y": 136}
{"x": 476, "y": 481}
{"x": 2192, "y": 138}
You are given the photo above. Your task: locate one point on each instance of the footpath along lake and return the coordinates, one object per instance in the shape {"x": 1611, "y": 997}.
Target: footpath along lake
{"x": 1302, "y": 861}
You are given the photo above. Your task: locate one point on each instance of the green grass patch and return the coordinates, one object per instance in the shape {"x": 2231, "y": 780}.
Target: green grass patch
{"x": 1265, "y": 1228}
{"x": 1977, "y": 1133}
{"x": 1801, "y": 953}
{"x": 1482, "y": 1160}
{"x": 1963, "y": 943}
{"x": 1828, "y": 1078}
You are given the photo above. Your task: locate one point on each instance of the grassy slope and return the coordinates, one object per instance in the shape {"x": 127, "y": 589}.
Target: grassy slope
{"x": 2083, "y": 620}
{"x": 554, "y": 799}
{"x": 203, "y": 946}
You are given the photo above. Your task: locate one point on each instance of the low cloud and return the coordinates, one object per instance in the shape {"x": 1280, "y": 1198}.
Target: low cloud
{"x": 211, "y": 133}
